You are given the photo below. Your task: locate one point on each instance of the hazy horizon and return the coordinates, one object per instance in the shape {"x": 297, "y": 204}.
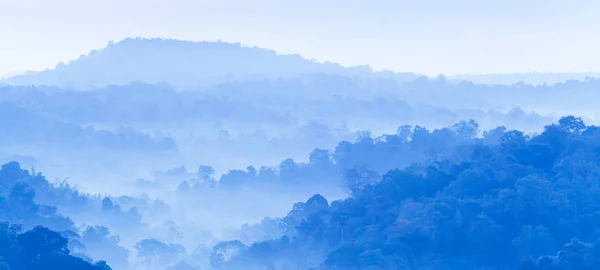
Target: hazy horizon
{"x": 523, "y": 36}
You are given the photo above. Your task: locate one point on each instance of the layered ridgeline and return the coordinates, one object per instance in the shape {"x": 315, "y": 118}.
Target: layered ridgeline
{"x": 501, "y": 200}
{"x": 182, "y": 64}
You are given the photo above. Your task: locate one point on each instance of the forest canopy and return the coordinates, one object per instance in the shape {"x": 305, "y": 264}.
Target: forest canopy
{"x": 499, "y": 200}
{"x": 525, "y": 202}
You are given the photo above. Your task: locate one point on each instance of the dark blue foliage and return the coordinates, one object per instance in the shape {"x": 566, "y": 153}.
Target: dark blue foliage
{"x": 524, "y": 202}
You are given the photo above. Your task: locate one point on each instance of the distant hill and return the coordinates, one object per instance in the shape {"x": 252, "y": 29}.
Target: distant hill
{"x": 182, "y": 64}
{"x": 527, "y": 78}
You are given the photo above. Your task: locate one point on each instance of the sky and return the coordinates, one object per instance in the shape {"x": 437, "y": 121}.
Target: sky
{"x": 424, "y": 36}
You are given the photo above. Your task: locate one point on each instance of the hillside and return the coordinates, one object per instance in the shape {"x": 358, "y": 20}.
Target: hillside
{"x": 182, "y": 64}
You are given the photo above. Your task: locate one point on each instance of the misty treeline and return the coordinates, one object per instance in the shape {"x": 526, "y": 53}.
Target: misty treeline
{"x": 330, "y": 99}
{"x": 450, "y": 198}
{"x": 143, "y": 127}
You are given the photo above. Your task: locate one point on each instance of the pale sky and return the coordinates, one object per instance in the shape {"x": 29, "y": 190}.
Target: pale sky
{"x": 423, "y": 36}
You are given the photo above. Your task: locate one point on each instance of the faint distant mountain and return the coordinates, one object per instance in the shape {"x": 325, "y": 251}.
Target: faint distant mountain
{"x": 528, "y": 78}
{"x": 11, "y": 74}
{"x": 183, "y": 64}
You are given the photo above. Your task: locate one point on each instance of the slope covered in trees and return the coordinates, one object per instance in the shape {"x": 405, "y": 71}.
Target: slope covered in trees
{"x": 34, "y": 236}
{"x": 419, "y": 199}
{"x": 39, "y": 249}
{"x": 525, "y": 202}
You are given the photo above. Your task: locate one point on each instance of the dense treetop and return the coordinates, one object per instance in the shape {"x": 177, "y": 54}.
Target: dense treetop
{"x": 26, "y": 242}
{"x": 525, "y": 202}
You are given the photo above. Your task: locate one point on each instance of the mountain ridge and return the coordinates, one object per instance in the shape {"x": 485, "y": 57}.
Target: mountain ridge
{"x": 191, "y": 64}
{"x": 183, "y": 64}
